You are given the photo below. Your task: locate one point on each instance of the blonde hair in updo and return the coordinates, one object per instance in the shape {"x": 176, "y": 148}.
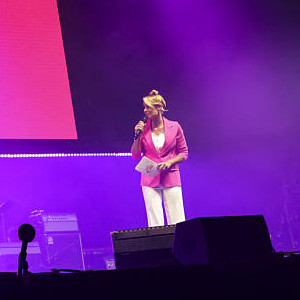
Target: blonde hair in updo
{"x": 154, "y": 99}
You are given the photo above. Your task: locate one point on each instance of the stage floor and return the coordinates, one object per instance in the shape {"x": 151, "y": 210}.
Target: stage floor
{"x": 257, "y": 280}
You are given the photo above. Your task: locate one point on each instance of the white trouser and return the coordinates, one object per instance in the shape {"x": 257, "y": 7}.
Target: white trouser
{"x": 173, "y": 203}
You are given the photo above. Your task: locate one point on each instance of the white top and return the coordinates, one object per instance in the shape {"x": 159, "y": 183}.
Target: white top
{"x": 158, "y": 140}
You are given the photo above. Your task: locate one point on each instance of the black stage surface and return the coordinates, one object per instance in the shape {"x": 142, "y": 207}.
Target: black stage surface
{"x": 277, "y": 278}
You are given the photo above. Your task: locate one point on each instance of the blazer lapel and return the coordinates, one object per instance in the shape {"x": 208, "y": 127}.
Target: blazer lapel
{"x": 148, "y": 137}
{"x": 168, "y": 135}
{"x": 168, "y": 132}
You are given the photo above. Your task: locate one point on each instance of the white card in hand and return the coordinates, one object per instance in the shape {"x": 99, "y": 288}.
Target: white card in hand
{"x": 147, "y": 167}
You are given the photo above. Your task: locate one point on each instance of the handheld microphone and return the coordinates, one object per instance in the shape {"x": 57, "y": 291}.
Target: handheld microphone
{"x": 26, "y": 233}
{"x": 139, "y": 132}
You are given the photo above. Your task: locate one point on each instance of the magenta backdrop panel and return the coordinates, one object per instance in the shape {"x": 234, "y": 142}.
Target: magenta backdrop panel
{"x": 35, "y": 97}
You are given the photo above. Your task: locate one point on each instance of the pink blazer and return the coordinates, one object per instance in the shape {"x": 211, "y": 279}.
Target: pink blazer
{"x": 174, "y": 144}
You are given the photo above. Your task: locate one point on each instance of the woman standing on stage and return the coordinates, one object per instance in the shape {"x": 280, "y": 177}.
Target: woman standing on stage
{"x": 163, "y": 142}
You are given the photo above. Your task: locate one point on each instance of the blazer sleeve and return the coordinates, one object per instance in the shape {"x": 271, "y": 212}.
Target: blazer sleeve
{"x": 135, "y": 155}
{"x": 181, "y": 144}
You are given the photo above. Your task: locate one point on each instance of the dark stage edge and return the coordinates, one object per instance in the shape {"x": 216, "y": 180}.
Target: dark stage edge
{"x": 277, "y": 279}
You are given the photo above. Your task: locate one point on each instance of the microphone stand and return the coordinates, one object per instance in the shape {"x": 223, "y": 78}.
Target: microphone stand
{"x": 26, "y": 234}
{"x": 23, "y": 264}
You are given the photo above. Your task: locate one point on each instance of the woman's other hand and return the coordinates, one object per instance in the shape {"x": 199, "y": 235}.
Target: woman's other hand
{"x": 164, "y": 166}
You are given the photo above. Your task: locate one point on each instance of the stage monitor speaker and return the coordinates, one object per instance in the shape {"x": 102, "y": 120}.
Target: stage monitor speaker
{"x": 143, "y": 247}
{"x": 221, "y": 240}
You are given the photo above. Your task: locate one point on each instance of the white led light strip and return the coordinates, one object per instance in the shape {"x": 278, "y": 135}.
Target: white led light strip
{"x": 62, "y": 155}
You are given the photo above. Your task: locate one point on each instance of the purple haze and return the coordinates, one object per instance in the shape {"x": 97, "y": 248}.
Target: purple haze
{"x": 236, "y": 94}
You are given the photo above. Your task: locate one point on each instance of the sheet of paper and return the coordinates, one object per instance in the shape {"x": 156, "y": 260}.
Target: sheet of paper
{"x": 147, "y": 167}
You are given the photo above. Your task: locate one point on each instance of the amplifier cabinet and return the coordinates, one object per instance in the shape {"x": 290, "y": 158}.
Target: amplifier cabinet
{"x": 143, "y": 247}
{"x": 59, "y": 222}
{"x": 63, "y": 250}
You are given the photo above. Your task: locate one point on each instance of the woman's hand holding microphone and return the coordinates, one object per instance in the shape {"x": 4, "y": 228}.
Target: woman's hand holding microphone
{"x": 139, "y": 128}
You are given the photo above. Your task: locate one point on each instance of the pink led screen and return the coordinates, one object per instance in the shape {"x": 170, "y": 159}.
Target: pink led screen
{"x": 35, "y": 99}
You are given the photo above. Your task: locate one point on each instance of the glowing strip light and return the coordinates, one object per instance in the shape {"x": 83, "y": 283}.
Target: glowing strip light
{"x": 62, "y": 155}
